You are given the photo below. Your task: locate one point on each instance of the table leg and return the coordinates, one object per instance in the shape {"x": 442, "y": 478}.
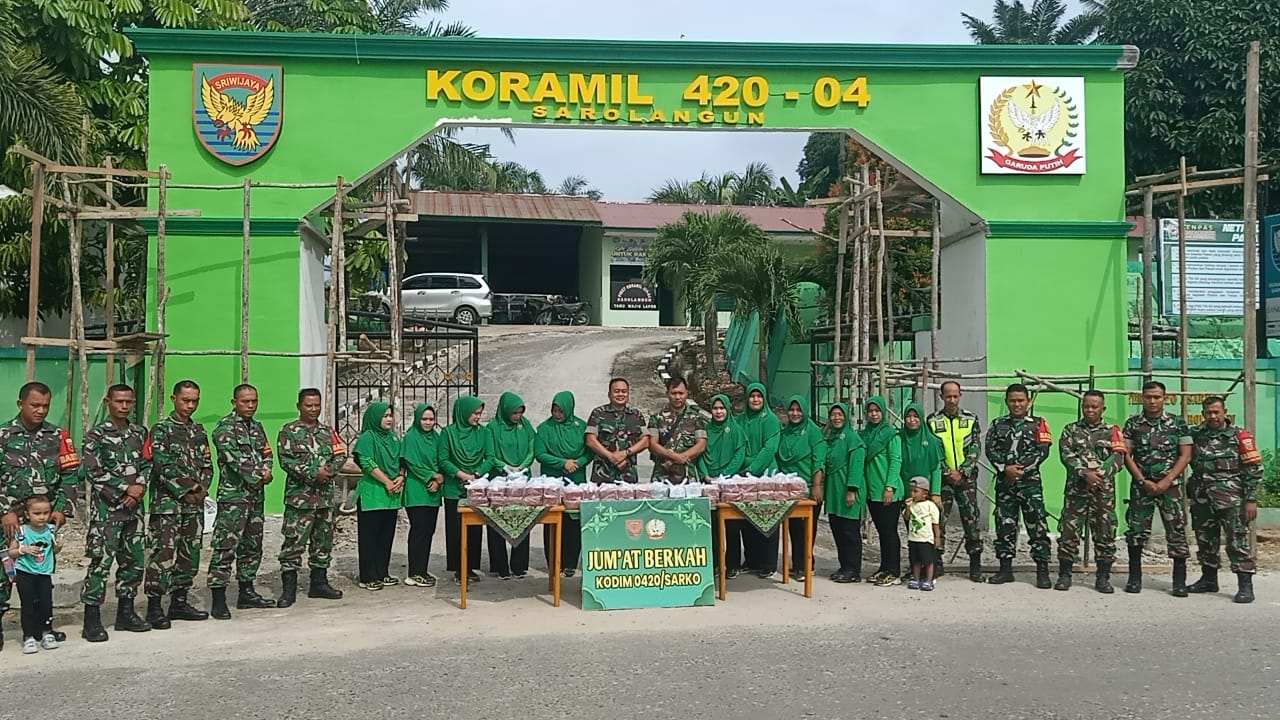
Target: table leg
{"x": 808, "y": 553}
{"x": 784, "y": 529}
{"x": 721, "y": 572}
{"x": 558, "y": 559}
{"x": 462, "y": 565}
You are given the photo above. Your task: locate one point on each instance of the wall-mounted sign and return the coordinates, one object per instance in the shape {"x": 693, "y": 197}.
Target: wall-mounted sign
{"x": 632, "y": 295}
{"x": 1215, "y": 267}
{"x": 1032, "y": 126}
{"x": 629, "y": 250}
{"x": 237, "y": 109}
{"x": 1270, "y": 243}
{"x": 625, "y": 98}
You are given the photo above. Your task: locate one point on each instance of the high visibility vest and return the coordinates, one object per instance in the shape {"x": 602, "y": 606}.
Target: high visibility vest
{"x": 954, "y": 432}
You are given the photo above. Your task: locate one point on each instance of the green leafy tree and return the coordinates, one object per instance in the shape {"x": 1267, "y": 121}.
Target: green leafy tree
{"x": 578, "y": 185}
{"x": 1013, "y": 23}
{"x": 685, "y": 255}
{"x": 762, "y": 283}
{"x": 1186, "y": 96}
{"x": 753, "y": 186}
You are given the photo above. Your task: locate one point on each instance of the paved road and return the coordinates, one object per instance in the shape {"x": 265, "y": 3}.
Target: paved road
{"x": 964, "y": 651}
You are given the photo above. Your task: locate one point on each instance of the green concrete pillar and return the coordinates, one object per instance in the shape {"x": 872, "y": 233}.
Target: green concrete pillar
{"x": 484, "y": 251}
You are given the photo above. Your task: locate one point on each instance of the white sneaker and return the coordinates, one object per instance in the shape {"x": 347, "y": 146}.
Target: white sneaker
{"x": 50, "y": 642}
{"x": 29, "y": 646}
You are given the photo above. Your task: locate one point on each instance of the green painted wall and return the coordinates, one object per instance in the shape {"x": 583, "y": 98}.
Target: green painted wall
{"x": 353, "y": 102}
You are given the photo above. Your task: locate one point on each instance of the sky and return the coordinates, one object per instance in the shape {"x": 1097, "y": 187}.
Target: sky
{"x": 626, "y": 166}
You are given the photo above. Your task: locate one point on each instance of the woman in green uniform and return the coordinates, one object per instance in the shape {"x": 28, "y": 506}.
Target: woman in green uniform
{"x": 846, "y": 491}
{"x": 726, "y": 452}
{"x": 884, "y": 489}
{"x": 802, "y": 451}
{"x": 561, "y": 450}
{"x": 921, "y": 456}
{"x": 464, "y": 457}
{"x": 512, "y": 451}
{"x": 377, "y": 452}
{"x": 423, "y": 484}
{"x": 763, "y": 430}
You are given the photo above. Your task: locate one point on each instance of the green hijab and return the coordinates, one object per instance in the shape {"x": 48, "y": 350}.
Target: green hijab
{"x": 798, "y": 438}
{"x": 375, "y": 443}
{"x": 419, "y": 450}
{"x": 846, "y": 435}
{"x": 725, "y": 441}
{"x": 877, "y": 436}
{"x": 566, "y": 439}
{"x": 513, "y": 442}
{"x": 466, "y": 441}
{"x": 762, "y": 424}
{"x": 921, "y": 449}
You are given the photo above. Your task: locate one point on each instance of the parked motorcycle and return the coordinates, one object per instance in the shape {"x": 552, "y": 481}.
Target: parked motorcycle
{"x": 559, "y": 312}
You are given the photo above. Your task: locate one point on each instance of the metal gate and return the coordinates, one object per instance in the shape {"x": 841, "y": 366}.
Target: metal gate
{"x": 441, "y": 362}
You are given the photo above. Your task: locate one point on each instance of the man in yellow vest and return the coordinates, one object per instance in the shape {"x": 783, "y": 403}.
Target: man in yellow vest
{"x": 961, "y": 436}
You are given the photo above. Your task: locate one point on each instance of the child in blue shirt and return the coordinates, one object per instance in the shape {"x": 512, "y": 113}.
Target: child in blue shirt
{"x": 32, "y": 550}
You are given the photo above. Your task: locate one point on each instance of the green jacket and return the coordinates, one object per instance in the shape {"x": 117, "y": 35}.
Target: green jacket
{"x": 846, "y": 469}
{"x": 801, "y": 448}
{"x": 922, "y": 453}
{"x": 884, "y": 456}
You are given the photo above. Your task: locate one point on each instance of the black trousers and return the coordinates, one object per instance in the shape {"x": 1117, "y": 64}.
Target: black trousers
{"x": 36, "y": 594}
{"x": 734, "y": 537}
{"x": 503, "y": 562}
{"x": 848, "y": 536}
{"x": 795, "y": 526}
{"x": 887, "y": 518}
{"x": 422, "y": 529}
{"x": 375, "y": 534}
{"x": 453, "y": 540}
{"x": 570, "y": 545}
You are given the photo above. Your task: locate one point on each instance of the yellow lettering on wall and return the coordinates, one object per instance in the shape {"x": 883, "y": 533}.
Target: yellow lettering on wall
{"x": 755, "y": 118}
{"x": 706, "y": 116}
{"x": 539, "y": 111}
{"x": 681, "y": 116}
{"x": 587, "y": 89}
{"x": 549, "y": 88}
{"x": 657, "y": 116}
{"x": 587, "y": 114}
{"x": 634, "y": 96}
{"x": 635, "y": 117}
{"x": 612, "y": 114}
{"x": 478, "y": 85}
{"x": 731, "y": 117}
{"x": 442, "y": 83}
{"x": 563, "y": 113}
{"x": 514, "y": 83}
{"x": 615, "y": 89}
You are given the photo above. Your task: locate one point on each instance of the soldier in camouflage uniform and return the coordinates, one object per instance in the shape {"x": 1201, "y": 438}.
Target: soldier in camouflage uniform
{"x": 181, "y": 471}
{"x": 1093, "y": 453}
{"x": 1159, "y": 451}
{"x": 117, "y": 473}
{"x": 616, "y": 434}
{"x": 960, "y": 433}
{"x": 244, "y": 469}
{"x": 677, "y": 436}
{"x": 311, "y": 454}
{"x": 38, "y": 457}
{"x": 1017, "y": 444}
{"x": 1226, "y": 469}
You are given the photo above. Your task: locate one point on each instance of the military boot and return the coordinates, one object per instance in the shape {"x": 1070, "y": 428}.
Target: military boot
{"x": 938, "y": 569}
{"x": 249, "y": 599}
{"x": 93, "y": 630}
{"x": 1064, "y": 575}
{"x": 180, "y": 609}
{"x": 975, "y": 568}
{"x": 219, "y": 609}
{"x": 1245, "y": 594}
{"x": 1208, "y": 582}
{"x": 155, "y": 613}
{"x": 1102, "y": 582}
{"x": 320, "y": 587}
{"x": 1179, "y": 577}
{"x": 288, "y": 588}
{"x": 1134, "y": 585}
{"x": 1042, "y": 575}
{"x": 127, "y": 619}
{"x": 1005, "y": 574}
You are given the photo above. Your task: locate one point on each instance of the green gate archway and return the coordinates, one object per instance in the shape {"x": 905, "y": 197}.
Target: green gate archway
{"x": 1037, "y": 282}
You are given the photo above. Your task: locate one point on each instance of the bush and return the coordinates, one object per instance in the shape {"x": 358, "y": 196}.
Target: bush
{"x": 1269, "y": 491}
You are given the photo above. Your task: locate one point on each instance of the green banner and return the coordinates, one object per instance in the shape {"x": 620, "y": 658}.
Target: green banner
{"x": 647, "y": 553}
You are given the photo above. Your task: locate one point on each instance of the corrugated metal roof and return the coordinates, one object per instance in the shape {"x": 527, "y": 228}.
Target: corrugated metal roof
{"x": 504, "y": 206}
{"x": 642, "y": 216}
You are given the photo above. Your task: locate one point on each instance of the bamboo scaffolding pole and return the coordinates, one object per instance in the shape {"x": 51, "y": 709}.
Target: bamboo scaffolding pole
{"x": 162, "y": 289}
{"x": 880, "y": 288}
{"x": 1182, "y": 282}
{"x": 935, "y": 278}
{"x": 75, "y": 234}
{"x": 239, "y": 186}
{"x": 1148, "y": 248}
{"x": 329, "y": 407}
{"x": 244, "y": 283}
{"x": 393, "y": 291}
{"x": 1250, "y": 310}
{"x": 33, "y": 291}
{"x": 111, "y": 278}
{"x": 904, "y": 363}
{"x": 841, "y": 248}
{"x": 338, "y": 268}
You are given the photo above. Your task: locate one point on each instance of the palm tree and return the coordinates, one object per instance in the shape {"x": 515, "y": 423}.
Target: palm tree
{"x": 1042, "y": 24}
{"x": 577, "y": 185}
{"x": 685, "y": 254}
{"x": 762, "y": 282}
{"x": 38, "y": 107}
{"x": 753, "y": 186}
